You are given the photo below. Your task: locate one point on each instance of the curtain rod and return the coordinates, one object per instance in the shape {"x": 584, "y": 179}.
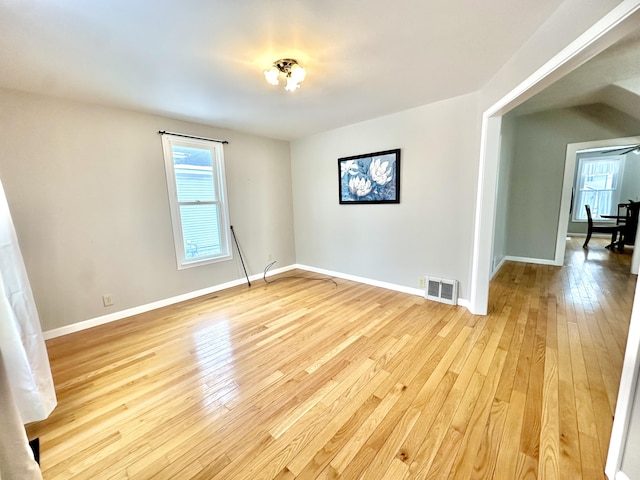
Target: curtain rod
{"x": 162, "y": 132}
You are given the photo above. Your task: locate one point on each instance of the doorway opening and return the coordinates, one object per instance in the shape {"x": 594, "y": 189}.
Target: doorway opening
{"x": 600, "y": 36}
{"x": 568, "y": 210}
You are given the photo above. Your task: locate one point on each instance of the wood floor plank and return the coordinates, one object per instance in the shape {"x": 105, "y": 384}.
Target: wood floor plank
{"x": 433, "y": 437}
{"x": 386, "y": 454}
{"x": 463, "y": 467}
{"x": 396, "y": 471}
{"x": 322, "y": 458}
{"x": 507, "y": 457}
{"x": 548, "y": 462}
{"x": 303, "y": 379}
{"x": 358, "y": 439}
{"x": 304, "y": 456}
{"x": 443, "y": 461}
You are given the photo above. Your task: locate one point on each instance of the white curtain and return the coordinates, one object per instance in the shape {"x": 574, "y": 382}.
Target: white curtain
{"x": 16, "y": 457}
{"x": 26, "y": 386}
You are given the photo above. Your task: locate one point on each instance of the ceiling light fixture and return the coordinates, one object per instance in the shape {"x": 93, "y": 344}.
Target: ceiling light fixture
{"x": 292, "y": 71}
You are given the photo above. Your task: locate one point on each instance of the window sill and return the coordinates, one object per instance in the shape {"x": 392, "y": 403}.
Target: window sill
{"x": 204, "y": 261}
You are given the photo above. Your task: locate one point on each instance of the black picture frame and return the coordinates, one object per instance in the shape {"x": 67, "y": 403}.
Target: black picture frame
{"x": 369, "y": 178}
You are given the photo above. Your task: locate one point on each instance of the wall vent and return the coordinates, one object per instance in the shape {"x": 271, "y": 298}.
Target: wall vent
{"x": 442, "y": 290}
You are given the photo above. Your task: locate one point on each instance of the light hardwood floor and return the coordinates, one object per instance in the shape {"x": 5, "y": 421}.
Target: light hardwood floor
{"x": 303, "y": 379}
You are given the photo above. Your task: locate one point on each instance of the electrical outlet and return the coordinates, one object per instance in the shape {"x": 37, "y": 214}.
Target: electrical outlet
{"x": 107, "y": 300}
{"x": 421, "y": 283}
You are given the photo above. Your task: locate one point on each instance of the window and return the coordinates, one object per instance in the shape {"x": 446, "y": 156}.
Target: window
{"x": 198, "y": 200}
{"x": 598, "y": 185}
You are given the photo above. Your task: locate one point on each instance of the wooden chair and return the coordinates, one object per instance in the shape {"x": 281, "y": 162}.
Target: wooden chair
{"x": 614, "y": 230}
{"x": 632, "y": 209}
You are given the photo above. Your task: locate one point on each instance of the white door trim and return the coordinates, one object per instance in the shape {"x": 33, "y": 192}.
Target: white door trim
{"x": 588, "y": 44}
{"x": 628, "y": 384}
{"x": 591, "y": 42}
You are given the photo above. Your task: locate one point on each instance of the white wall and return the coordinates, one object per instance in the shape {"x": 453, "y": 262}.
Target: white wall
{"x": 87, "y": 191}
{"x": 429, "y": 232}
{"x": 630, "y": 189}
{"x": 538, "y": 170}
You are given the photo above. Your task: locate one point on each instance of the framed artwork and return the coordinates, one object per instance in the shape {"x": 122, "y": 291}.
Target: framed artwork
{"x": 370, "y": 178}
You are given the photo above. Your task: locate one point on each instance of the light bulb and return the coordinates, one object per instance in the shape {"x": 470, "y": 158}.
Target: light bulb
{"x": 298, "y": 73}
{"x": 292, "y": 85}
{"x": 271, "y": 75}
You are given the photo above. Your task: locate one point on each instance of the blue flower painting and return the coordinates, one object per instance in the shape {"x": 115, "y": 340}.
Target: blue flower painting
{"x": 370, "y": 178}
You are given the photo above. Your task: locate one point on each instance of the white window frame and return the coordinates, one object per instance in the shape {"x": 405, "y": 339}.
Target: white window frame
{"x": 578, "y": 207}
{"x": 217, "y": 155}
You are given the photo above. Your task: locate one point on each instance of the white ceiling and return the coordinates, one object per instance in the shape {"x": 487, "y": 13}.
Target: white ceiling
{"x": 611, "y": 77}
{"x": 202, "y": 60}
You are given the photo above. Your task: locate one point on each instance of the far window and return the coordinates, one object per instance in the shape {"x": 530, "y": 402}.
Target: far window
{"x": 197, "y": 197}
{"x": 597, "y": 185}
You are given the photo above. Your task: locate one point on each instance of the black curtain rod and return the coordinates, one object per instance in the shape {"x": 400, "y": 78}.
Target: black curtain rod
{"x": 162, "y": 132}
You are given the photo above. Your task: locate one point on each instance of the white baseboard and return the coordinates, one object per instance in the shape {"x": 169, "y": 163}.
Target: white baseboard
{"x": 112, "y": 317}
{"x": 537, "y": 261}
{"x": 621, "y": 476}
{"x": 376, "y": 283}
{"x": 497, "y": 269}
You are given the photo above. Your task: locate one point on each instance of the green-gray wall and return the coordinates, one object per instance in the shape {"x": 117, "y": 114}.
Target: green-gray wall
{"x": 538, "y": 168}
{"x": 507, "y": 146}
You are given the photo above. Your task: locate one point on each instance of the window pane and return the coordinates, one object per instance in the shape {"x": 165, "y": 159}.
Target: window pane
{"x": 200, "y": 230}
{"x": 604, "y": 205}
{"x": 597, "y": 182}
{"x": 586, "y": 198}
{"x": 196, "y": 187}
{"x": 598, "y": 185}
{"x": 194, "y": 174}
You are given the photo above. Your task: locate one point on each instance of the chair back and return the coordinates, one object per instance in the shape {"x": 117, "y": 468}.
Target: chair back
{"x": 589, "y": 219}
{"x": 623, "y": 213}
{"x": 633, "y": 210}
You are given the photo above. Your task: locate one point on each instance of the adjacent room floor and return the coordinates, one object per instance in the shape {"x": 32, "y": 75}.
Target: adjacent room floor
{"x": 306, "y": 379}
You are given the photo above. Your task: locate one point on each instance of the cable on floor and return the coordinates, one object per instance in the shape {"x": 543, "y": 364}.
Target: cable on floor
{"x": 321, "y": 279}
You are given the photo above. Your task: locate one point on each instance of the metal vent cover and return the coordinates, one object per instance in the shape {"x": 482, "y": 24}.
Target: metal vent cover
{"x": 433, "y": 288}
{"x": 442, "y": 290}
